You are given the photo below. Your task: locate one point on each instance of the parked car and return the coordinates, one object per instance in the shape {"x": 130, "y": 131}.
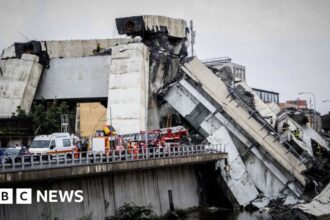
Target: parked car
{"x": 16, "y": 153}
{"x": 1, "y": 153}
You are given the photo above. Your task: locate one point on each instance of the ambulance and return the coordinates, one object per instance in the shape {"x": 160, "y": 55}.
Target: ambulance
{"x": 55, "y": 143}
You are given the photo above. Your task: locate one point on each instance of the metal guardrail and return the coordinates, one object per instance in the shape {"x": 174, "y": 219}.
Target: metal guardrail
{"x": 265, "y": 125}
{"x": 48, "y": 161}
{"x": 217, "y": 60}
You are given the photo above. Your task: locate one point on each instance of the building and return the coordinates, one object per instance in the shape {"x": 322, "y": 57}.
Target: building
{"x": 326, "y": 124}
{"x": 15, "y": 131}
{"x": 297, "y": 104}
{"x": 267, "y": 96}
{"x": 314, "y": 118}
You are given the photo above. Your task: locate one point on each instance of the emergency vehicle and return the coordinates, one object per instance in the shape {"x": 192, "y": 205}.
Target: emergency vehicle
{"x": 55, "y": 143}
{"x": 108, "y": 141}
{"x": 159, "y": 138}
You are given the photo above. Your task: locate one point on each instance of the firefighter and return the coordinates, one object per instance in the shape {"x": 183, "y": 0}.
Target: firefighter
{"x": 135, "y": 150}
{"x": 129, "y": 147}
{"x": 227, "y": 169}
{"x": 97, "y": 49}
{"x": 285, "y": 127}
{"x": 84, "y": 147}
{"x": 76, "y": 152}
{"x": 318, "y": 149}
{"x": 296, "y": 133}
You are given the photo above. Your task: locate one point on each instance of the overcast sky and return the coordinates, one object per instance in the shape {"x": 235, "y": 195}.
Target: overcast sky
{"x": 284, "y": 44}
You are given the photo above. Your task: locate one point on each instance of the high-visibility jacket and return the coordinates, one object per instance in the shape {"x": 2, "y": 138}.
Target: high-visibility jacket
{"x": 136, "y": 150}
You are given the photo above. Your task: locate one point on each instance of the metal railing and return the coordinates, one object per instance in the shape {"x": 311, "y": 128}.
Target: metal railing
{"x": 265, "y": 125}
{"x": 48, "y": 161}
{"x": 217, "y": 60}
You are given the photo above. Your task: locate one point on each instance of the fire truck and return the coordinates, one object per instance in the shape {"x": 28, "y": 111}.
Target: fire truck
{"x": 107, "y": 141}
{"x": 159, "y": 138}
{"x": 153, "y": 140}
{"x": 174, "y": 136}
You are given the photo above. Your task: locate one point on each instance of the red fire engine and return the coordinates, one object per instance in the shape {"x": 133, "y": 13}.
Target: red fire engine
{"x": 153, "y": 140}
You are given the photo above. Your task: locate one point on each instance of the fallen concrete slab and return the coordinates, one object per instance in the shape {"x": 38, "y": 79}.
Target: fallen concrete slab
{"x": 234, "y": 173}
{"x": 206, "y": 118}
{"x": 213, "y": 86}
{"x": 318, "y": 208}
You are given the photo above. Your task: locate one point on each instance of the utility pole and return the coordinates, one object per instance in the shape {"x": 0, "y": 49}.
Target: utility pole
{"x": 64, "y": 123}
{"x": 192, "y": 37}
{"x": 328, "y": 100}
{"x": 27, "y": 39}
{"x": 314, "y": 124}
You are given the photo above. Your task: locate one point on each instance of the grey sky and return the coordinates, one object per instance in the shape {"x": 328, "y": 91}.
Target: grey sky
{"x": 284, "y": 44}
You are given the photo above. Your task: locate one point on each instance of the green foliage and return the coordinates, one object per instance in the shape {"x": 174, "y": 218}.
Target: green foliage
{"x": 177, "y": 214}
{"x": 87, "y": 217}
{"x": 20, "y": 112}
{"x": 47, "y": 119}
{"x": 130, "y": 211}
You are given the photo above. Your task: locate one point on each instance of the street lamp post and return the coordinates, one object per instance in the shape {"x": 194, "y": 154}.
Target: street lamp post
{"x": 328, "y": 100}
{"x": 314, "y": 109}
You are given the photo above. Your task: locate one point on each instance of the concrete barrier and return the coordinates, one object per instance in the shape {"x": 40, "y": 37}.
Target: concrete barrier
{"x": 6, "y": 179}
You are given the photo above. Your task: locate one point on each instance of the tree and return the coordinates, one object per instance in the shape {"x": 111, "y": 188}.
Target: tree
{"x": 20, "y": 113}
{"x": 47, "y": 118}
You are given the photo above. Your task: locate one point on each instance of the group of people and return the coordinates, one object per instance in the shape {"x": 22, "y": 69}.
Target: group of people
{"x": 82, "y": 145}
{"x": 296, "y": 132}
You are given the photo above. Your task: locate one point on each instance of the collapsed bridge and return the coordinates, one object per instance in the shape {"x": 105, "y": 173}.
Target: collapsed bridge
{"x": 144, "y": 77}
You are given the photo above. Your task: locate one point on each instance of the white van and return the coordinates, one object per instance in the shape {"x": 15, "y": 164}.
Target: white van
{"x": 53, "y": 143}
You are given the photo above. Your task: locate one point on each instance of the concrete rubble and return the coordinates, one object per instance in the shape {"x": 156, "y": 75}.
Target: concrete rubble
{"x": 261, "y": 203}
{"x": 149, "y": 73}
{"x": 317, "y": 208}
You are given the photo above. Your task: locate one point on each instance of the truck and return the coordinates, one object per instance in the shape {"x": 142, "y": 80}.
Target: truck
{"x": 155, "y": 140}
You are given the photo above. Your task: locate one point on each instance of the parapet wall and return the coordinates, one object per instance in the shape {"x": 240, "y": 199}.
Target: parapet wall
{"x": 103, "y": 194}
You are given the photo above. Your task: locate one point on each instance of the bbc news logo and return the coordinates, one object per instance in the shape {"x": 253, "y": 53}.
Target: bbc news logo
{"x": 24, "y": 196}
